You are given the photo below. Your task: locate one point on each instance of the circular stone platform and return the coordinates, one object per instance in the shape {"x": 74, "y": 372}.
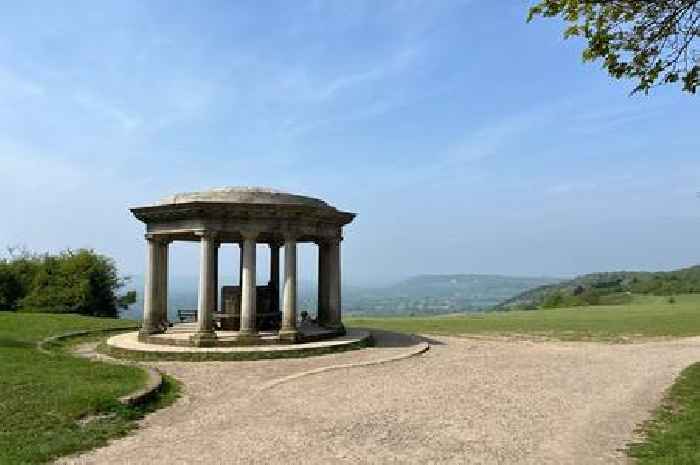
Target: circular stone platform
{"x": 127, "y": 345}
{"x": 181, "y": 335}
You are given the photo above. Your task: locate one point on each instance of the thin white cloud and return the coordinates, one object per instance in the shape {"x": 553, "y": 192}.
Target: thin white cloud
{"x": 492, "y": 139}
{"x": 572, "y": 187}
{"x": 363, "y": 94}
{"x": 594, "y": 120}
{"x": 313, "y": 85}
{"x": 25, "y": 170}
{"x": 13, "y": 86}
{"x": 185, "y": 99}
{"x": 395, "y": 65}
{"x": 126, "y": 120}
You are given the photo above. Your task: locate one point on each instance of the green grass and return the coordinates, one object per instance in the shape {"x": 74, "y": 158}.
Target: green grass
{"x": 645, "y": 316}
{"x": 673, "y": 436}
{"x": 44, "y": 396}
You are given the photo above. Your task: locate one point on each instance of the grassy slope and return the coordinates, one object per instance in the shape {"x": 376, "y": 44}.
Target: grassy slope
{"x": 611, "y": 284}
{"x": 673, "y": 436}
{"x": 42, "y": 395}
{"x": 645, "y": 316}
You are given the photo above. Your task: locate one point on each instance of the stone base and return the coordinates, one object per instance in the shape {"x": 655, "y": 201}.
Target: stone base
{"x": 145, "y": 334}
{"x": 203, "y": 339}
{"x": 338, "y": 329}
{"x": 291, "y": 336}
{"x": 187, "y": 335}
{"x": 128, "y": 345}
{"x": 247, "y": 338}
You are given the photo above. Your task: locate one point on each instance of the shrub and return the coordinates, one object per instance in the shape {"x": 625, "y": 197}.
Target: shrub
{"x": 10, "y": 287}
{"x": 619, "y": 298}
{"x": 80, "y": 281}
{"x": 553, "y": 300}
{"x": 16, "y": 276}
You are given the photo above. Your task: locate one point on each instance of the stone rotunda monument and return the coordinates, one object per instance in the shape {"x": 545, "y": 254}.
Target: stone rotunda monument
{"x": 247, "y": 314}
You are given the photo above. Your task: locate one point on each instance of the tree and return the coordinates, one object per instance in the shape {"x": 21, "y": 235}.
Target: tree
{"x": 10, "y": 287}
{"x": 653, "y": 42}
{"x": 78, "y": 281}
{"x": 16, "y": 276}
{"x": 553, "y": 300}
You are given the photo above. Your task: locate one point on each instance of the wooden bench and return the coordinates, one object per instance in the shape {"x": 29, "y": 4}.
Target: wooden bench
{"x": 187, "y": 315}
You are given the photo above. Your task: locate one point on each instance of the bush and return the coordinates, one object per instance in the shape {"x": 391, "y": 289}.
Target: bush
{"x": 619, "y": 298}
{"x": 16, "y": 276}
{"x": 553, "y": 300}
{"x": 78, "y": 281}
{"x": 590, "y": 297}
{"x": 10, "y": 287}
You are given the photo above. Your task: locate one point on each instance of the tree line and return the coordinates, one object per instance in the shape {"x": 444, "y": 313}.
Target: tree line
{"x": 72, "y": 281}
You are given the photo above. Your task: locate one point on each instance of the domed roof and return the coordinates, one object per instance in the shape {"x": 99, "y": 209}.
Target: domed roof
{"x": 244, "y": 195}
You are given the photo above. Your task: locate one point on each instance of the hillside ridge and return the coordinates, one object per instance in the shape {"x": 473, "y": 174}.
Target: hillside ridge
{"x": 607, "y": 287}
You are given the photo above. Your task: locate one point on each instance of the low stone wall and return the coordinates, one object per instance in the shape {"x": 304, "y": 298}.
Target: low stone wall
{"x": 44, "y": 345}
{"x": 154, "y": 381}
{"x": 145, "y": 394}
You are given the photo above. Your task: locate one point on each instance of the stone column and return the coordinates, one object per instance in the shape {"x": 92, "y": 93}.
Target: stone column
{"x": 163, "y": 291}
{"x": 215, "y": 279}
{"x": 275, "y": 274}
{"x": 240, "y": 264}
{"x": 150, "y": 293}
{"x": 157, "y": 287}
{"x": 322, "y": 308}
{"x": 205, "y": 335}
{"x": 249, "y": 288}
{"x": 288, "y": 331}
{"x": 334, "y": 287}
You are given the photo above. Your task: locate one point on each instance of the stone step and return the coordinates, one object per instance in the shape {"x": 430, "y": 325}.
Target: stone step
{"x": 183, "y": 328}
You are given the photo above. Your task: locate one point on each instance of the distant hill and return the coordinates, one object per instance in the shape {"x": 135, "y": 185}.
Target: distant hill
{"x": 424, "y": 294}
{"x": 439, "y": 294}
{"x": 607, "y": 288}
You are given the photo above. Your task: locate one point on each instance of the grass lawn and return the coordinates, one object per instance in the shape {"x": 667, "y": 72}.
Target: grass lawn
{"x": 645, "y": 316}
{"x": 43, "y": 396}
{"x": 673, "y": 436}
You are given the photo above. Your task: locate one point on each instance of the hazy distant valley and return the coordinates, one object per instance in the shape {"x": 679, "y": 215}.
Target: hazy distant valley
{"x": 424, "y": 294}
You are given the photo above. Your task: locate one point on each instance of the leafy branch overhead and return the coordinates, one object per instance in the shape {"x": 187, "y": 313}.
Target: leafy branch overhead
{"x": 653, "y": 42}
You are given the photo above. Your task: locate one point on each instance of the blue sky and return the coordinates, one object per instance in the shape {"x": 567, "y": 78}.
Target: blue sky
{"x": 467, "y": 140}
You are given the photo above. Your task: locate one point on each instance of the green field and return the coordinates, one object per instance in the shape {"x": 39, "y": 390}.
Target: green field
{"x": 645, "y": 316}
{"x": 673, "y": 435}
{"x": 47, "y": 400}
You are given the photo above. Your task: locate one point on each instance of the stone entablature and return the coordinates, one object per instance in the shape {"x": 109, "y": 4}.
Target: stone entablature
{"x": 247, "y": 217}
{"x": 310, "y": 220}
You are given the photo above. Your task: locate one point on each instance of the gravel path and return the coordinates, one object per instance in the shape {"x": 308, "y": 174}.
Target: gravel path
{"x": 475, "y": 401}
